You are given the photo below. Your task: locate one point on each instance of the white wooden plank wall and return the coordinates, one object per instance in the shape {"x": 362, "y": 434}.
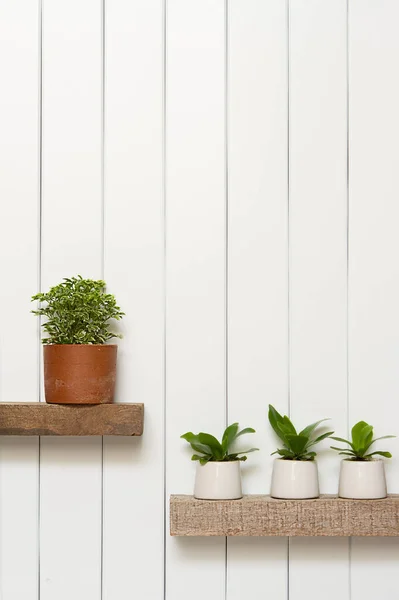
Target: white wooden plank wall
{"x": 70, "y": 469}
{"x": 195, "y": 268}
{"x": 373, "y": 265}
{"x": 257, "y": 297}
{"x": 196, "y": 155}
{"x": 19, "y": 251}
{"x": 318, "y": 260}
{"x": 133, "y": 513}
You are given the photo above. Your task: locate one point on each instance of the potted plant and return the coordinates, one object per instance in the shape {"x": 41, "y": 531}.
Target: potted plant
{"x": 218, "y": 475}
{"x": 295, "y": 472}
{"x": 361, "y": 475}
{"x": 79, "y": 365}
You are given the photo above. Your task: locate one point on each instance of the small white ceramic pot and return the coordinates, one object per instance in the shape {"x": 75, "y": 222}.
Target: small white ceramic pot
{"x": 294, "y": 479}
{"x": 363, "y": 480}
{"x": 218, "y": 481}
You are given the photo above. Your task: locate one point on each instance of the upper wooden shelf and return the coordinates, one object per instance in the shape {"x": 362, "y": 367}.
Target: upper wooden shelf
{"x": 265, "y": 516}
{"x": 39, "y": 418}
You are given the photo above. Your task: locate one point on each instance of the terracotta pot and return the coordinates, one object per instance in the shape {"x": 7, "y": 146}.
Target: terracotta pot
{"x": 79, "y": 373}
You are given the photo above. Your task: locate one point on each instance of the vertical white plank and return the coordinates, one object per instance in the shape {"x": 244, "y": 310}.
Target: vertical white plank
{"x": 19, "y": 243}
{"x": 70, "y": 516}
{"x": 318, "y": 260}
{"x": 134, "y": 258}
{"x": 257, "y": 266}
{"x": 195, "y": 255}
{"x": 373, "y": 264}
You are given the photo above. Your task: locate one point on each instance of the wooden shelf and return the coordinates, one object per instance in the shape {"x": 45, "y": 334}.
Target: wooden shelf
{"x": 39, "y": 418}
{"x": 265, "y": 516}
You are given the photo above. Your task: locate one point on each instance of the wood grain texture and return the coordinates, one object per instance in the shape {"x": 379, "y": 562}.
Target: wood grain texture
{"x": 38, "y": 418}
{"x": 255, "y": 515}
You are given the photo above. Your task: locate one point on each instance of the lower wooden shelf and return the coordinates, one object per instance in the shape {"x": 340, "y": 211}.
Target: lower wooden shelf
{"x": 39, "y": 418}
{"x": 265, "y": 516}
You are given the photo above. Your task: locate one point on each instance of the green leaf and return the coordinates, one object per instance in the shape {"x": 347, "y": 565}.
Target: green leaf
{"x": 201, "y": 448}
{"x": 232, "y": 434}
{"x": 285, "y": 429}
{"x": 352, "y": 452}
{"x": 197, "y": 457}
{"x": 246, "y": 451}
{"x": 283, "y": 452}
{"x": 385, "y": 454}
{"x": 384, "y": 437}
{"x": 347, "y": 453}
{"x": 274, "y": 419}
{"x": 245, "y": 431}
{"x": 229, "y": 436}
{"x": 77, "y": 311}
{"x": 338, "y": 439}
{"x": 320, "y": 438}
{"x": 210, "y": 447}
{"x": 297, "y": 443}
{"x": 357, "y": 436}
{"x": 365, "y": 435}
{"x": 310, "y": 428}
{"x": 368, "y": 439}
{"x": 189, "y": 436}
{"x": 213, "y": 443}
{"x": 289, "y": 424}
{"x": 307, "y": 456}
{"x": 195, "y": 444}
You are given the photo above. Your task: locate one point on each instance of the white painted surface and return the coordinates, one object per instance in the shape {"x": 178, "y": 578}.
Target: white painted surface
{"x": 70, "y": 469}
{"x": 318, "y": 257}
{"x": 195, "y": 269}
{"x": 133, "y": 468}
{"x": 218, "y": 265}
{"x": 19, "y": 249}
{"x": 373, "y": 265}
{"x": 257, "y": 265}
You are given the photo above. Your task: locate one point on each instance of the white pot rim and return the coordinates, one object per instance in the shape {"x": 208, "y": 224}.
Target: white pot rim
{"x": 219, "y": 462}
{"x": 363, "y": 462}
{"x": 289, "y": 460}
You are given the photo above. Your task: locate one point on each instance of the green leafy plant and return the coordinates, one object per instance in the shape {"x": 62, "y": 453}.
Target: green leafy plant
{"x": 77, "y": 311}
{"x": 296, "y": 446}
{"x": 362, "y": 438}
{"x": 211, "y": 450}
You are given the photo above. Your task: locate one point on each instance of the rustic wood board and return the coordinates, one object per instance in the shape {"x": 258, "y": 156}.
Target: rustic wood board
{"x": 39, "y": 418}
{"x": 265, "y": 516}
